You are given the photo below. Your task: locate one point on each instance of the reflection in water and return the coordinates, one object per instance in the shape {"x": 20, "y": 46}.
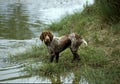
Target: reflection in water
{"x": 17, "y": 18}
{"x": 56, "y": 80}
{"x": 79, "y": 78}
{"x": 13, "y": 24}
{"x": 71, "y": 78}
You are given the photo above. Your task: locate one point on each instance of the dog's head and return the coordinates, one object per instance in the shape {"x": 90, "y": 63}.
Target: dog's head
{"x": 46, "y": 36}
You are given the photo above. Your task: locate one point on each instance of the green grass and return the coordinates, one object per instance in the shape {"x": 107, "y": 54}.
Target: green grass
{"x": 92, "y": 65}
{"x": 100, "y": 61}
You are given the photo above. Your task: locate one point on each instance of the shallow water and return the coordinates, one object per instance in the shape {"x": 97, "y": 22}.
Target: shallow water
{"x": 21, "y": 22}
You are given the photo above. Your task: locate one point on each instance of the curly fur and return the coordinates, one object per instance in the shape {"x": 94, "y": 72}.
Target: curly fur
{"x": 56, "y": 45}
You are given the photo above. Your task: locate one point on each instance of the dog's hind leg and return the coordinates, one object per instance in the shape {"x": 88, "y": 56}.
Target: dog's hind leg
{"x": 75, "y": 54}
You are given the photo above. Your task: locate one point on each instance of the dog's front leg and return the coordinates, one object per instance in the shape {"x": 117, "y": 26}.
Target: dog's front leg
{"x": 52, "y": 57}
{"x": 57, "y": 57}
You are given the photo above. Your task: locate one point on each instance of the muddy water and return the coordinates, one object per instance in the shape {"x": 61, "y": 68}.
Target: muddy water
{"x": 21, "y": 22}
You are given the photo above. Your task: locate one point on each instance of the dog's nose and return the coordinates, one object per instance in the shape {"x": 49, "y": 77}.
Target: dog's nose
{"x": 47, "y": 38}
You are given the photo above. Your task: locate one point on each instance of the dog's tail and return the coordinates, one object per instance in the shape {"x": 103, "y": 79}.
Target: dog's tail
{"x": 85, "y": 42}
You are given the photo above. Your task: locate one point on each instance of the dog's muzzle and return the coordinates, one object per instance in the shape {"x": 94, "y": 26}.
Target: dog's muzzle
{"x": 47, "y": 39}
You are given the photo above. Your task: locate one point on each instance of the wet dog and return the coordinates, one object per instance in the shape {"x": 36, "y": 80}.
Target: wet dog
{"x": 56, "y": 45}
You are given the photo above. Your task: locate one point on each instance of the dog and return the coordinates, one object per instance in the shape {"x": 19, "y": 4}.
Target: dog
{"x": 56, "y": 45}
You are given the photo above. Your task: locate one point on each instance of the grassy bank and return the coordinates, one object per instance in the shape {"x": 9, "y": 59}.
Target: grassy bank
{"x": 100, "y": 61}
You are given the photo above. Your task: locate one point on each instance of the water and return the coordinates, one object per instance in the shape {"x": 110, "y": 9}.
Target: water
{"x": 21, "y": 22}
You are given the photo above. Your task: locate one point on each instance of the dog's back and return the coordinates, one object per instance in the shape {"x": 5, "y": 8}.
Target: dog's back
{"x": 61, "y": 43}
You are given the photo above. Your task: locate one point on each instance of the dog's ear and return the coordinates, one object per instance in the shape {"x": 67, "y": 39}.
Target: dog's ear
{"x": 50, "y": 35}
{"x": 42, "y": 36}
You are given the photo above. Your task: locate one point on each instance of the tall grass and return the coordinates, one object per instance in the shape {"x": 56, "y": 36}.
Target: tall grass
{"x": 110, "y": 9}
{"x": 70, "y": 23}
{"x": 91, "y": 66}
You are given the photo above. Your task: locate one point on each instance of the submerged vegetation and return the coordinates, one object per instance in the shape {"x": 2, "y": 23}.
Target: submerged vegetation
{"x": 100, "y": 61}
